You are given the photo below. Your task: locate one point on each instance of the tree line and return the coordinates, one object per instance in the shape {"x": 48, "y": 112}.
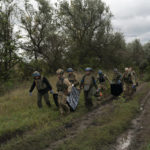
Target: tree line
{"x": 73, "y": 34}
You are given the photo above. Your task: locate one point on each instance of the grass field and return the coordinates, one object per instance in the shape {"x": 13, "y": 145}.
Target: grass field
{"x": 19, "y": 116}
{"x": 24, "y": 126}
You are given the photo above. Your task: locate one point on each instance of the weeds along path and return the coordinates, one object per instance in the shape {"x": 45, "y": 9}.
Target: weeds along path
{"x": 100, "y": 127}
{"x": 76, "y": 127}
{"x": 142, "y": 132}
{"x": 136, "y": 137}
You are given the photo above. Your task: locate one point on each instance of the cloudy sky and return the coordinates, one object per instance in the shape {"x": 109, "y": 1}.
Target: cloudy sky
{"x": 132, "y": 17}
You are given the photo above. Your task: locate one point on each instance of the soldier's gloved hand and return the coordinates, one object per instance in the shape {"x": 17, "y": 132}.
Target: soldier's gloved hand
{"x": 51, "y": 92}
{"x": 30, "y": 93}
{"x": 119, "y": 82}
{"x": 98, "y": 90}
{"x": 133, "y": 86}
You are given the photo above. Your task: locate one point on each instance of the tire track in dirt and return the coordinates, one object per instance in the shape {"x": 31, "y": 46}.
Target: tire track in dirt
{"x": 84, "y": 122}
{"x": 142, "y": 133}
{"x": 133, "y": 138}
{"x": 77, "y": 126}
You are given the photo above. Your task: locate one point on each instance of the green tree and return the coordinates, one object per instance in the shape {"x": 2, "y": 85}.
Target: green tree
{"x": 43, "y": 39}
{"x": 8, "y": 39}
{"x": 137, "y": 53}
{"x": 86, "y": 24}
{"x": 115, "y": 53}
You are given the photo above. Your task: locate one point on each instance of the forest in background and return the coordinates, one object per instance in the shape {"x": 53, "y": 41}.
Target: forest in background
{"x": 46, "y": 37}
{"x": 43, "y": 36}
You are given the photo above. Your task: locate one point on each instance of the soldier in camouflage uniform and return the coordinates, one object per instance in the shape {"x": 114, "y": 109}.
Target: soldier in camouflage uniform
{"x": 101, "y": 80}
{"x": 43, "y": 86}
{"x": 117, "y": 77}
{"x": 129, "y": 82}
{"x": 134, "y": 75}
{"x": 88, "y": 83}
{"x": 64, "y": 88}
{"x": 134, "y": 79}
{"x": 72, "y": 77}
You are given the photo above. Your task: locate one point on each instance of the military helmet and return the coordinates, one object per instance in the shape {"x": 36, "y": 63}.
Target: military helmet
{"x": 115, "y": 70}
{"x": 36, "y": 74}
{"x": 60, "y": 71}
{"x": 100, "y": 72}
{"x": 69, "y": 70}
{"x": 88, "y": 69}
{"x": 126, "y": 69}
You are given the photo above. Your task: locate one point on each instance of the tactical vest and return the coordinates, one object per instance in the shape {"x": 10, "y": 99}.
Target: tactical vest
{"x": 88, "y": 80}
{"x": 40, "y": 85}
{"x": 71, "y": 78}
{"x": 128, "y": 78}
{"x": 61, "y": 86}
{"x": 101, "y": 78}
{"x": 116, "y": 77}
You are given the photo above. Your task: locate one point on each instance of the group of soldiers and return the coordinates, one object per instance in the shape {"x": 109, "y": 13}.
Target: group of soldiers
{"x": 90, "y": 85}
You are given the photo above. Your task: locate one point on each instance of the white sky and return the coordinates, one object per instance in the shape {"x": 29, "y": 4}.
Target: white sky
{"x": 131, "y": 17}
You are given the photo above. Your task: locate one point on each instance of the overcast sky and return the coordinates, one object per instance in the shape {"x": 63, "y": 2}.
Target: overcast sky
{"x": 132, "y": 17}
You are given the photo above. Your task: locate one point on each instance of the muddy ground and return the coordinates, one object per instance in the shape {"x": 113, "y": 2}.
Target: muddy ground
{"x": 133, "y": 139}
{"x": 136, "y": 137}
{"x": 77, "y": 126}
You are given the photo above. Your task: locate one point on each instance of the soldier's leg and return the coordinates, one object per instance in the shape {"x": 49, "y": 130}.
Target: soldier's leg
{"x": 39, "y": 100}
{"x": 97, "y": 94}
{"x": 90, "y": 104}
{"x": 60, "y": 98}
{"x": 46, "y": 98}
{"x": 125, "y": 89}
{"x": 65, "y": 105}
{"x": 86, "y": 98}
{"x": 128, "y": 90}
{"x": 131, "y": 90}
{"x": 103, "y": 87}
{"x": 103, "y": 90}
{"x": 89, "y": 98}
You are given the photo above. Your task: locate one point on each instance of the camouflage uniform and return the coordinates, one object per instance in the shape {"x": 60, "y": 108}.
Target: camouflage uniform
{"x": 134, "y": 77}
{"x": 64, "y": 88}
{"x": 116, "y": 77}
{"x": 72, "y": 79}
{"x": 88, "y": 83}
{"x": 128, "y": 81}
{"x": 43, "y": 86}
{"x": 101, "y": 79}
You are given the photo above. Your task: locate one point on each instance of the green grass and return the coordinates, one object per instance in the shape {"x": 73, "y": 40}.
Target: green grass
{"x": 24, "y": 126}
{"x": 107, "y": 128}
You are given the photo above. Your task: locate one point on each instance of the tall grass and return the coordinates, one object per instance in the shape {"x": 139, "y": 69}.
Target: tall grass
{"x": 105, "y": 130}
{"x": 24, "y": 126}
{"x": 19, "y": 115}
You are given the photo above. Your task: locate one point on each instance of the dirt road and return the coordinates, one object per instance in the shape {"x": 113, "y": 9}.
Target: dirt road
{"x": 133, "y": 139}
{"x": 136, "y": 138}
{"x": 77, "y": 126}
